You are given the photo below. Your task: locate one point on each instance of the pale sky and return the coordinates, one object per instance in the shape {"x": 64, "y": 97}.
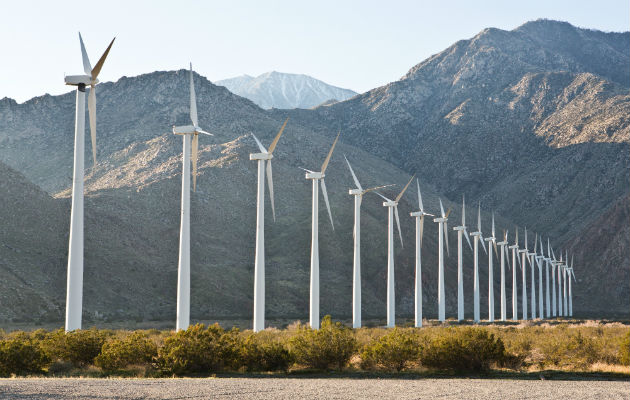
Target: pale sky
{"x": 352, "y": 44}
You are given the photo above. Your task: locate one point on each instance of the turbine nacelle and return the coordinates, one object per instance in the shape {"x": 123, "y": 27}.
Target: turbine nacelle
{"x": 356, "y": 192}
{"x": 184, "y": 130}
{"x": 390, "y": 203}
{"x": 419, "y": 214}
{"x": 315, "y": 175}
{"x": 76, "y": 80}
{"x": 260, "y": 156}
{"x": 440, "y": 219}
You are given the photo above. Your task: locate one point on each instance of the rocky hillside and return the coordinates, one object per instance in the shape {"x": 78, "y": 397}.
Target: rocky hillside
{"x": 285, "y": 91}
{"x": 531, "y": 128}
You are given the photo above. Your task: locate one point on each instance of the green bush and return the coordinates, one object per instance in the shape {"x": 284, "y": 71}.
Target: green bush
{"x": 200, "y": 350}
{"x": 119, "y": 353}
{"x": 464, "y": 349}
{"x": 573, "y": 350}
{"x": 260, "y": 356}
{"x": 21, "y": 356}
{"x": 393, "y": 351}
{"x": 78, "y": 347}
{"x": 330, "y": 346}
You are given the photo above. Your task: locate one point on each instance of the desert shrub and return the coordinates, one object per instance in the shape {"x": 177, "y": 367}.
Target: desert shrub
{"x": 200, "y": 350}
{"x": 258, "y": 355}
{"x": 574, "y": 350}
{"x": 392, "y": 351}
{"x": 330, "y": 346}
{"x": 119, "y": 353}
{"x": 77, "y": 347}
{"x": 464, "y": 349}
{"x": 624, "y": 351}
{"x": 21, "y": 355}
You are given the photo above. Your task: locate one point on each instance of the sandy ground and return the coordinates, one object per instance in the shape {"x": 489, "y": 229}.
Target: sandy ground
{"x": 304, "y": 388}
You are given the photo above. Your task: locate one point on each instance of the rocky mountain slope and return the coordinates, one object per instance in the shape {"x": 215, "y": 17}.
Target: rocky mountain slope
{"x": 534, "y": 130}
{"x": 282, "y": 90}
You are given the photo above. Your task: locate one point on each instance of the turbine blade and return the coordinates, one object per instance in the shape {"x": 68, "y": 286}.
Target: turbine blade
{"x": 195, "y": 152}
{"x": 493, "y": 232}
{"x": 354, "y": 177}
{"x": 260, "y": 146}
{"x": 204, "y": 132}
{"x": 516, "y": 237}
{"x": 548, "y": 248}
{"x": 419, "y": 195}
{"x": 87, "y": 68}
{"x": 446, "y": 237}
{"x": 479, "y": 218}
{"x": 483, "y": 244}
{"x": 327, "y": 160}
{"x": 494, "y": 244}
{"x": 273, "y": 144}
{"x": 464, "y": 212}
{"x": 398, "y": 225}
{"x": 92, "y": 112}
{"x": 441, "y": 208}
{"x": 468, "y": 239}
{"x": 193, "y": 100}
{"x": 376, "y": 188}
{"x": 404, "y": 189}
{"x": 323, "y": 185}
{"x": 525, "y": 238}
{"x": 270, "y": 183}
{"x": 421, "y": 229}
{"x": 385, "y": 198}
{"x": 535, "y": 243}
{"x": 101, "y": 61}
{"x": 448, "y": 212}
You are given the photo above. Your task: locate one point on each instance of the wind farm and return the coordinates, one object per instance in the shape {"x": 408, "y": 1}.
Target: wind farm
{"x": 189, "y": 257}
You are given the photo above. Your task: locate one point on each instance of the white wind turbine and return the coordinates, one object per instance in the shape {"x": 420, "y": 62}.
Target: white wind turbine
{"x": 264, "y": 157}
{"x": 74, "y": 294}
{"x": 564, "y": 281}
{"x": 532, "y": 260}
{"x": 524, "y": 254}
{"x": 502, "y": 244}
{"x": 554, "y": 264}
{"x": 492, "y": 243}
{"x": 515, "y": 259}
{"x": 559, "y": 270}
{"x": 477, "y": 236}
{"x": 358, "y": 193}
{"x": 461, "y": 230}
{"x": 539, "y": 259}
{"x": 392, "y": 210}
{"x": 547, "y": 260}
{"x": 442, "y": 231}
{"x": 189, "y": 133}
{"x": 317, "y": 177}
{"x": 570, "y": 291}
{"x": 419, "y": 216}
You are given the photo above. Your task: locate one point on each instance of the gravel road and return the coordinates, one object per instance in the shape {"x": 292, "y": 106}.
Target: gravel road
{"x": 304, "y": 388}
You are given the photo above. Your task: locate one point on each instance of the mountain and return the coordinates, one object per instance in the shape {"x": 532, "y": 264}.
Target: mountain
{"x": 537, "y": 133}
{"x": 531, "y": 122}
{"x": 281, "y": 90}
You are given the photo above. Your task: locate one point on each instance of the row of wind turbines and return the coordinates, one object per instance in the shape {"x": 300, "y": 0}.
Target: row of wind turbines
{"x": 190, "y": 136}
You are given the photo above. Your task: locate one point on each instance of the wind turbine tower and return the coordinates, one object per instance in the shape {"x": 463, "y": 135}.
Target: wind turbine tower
{"x": 539, "y": 260}
{"x": 492, "y": 243}
{"x": 515, "y": 258}
{"x": 392, "y": 210}
{"x": 74, "y": 293}
{"x": 188, "y": 132}
{"x": 358, "y": 193}
{"x": 524, "y": 254}
{"x": 442, "y": 230}
{"x": 263, "y": 158}
{"x": 461, "y": 230}
{"x": 318, "y": 180}
{"x": 502, "y": 244}
{"x": 419, "y": 216}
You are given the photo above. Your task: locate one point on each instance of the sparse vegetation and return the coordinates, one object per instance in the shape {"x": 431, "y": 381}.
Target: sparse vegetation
{"x": 201, "y": 350}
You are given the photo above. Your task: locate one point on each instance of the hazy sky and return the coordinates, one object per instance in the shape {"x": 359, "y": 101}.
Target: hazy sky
{"x": 353, "y": 44}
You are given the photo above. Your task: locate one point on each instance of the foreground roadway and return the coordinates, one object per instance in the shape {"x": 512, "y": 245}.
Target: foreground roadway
{"x": 323, "y": 388}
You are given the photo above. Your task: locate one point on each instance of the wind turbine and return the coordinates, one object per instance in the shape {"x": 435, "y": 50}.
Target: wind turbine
{"x": 524, "y": 254}
{"x": 547, "y": 264}
{"x": 539, "y": 259}
{"x": 492, "y": 241}
{"x": 554, "y": 264}
{"x": 515, "y": 258}
{"x": 570, "y": 291}
{"x": 502, "y": 244}
{"x": 392, "y": 210}
{"x": 461, "y": 230}
{"x": 564, "y": 281}
{"x": 442, "y": 230}
{"x": 317, "y": 177}
{"x": 358, "y": 193}
{"x": 264, "y": 157}
{"x": 532, "y": 259}
{"x": 419, "y": 216}
{"x": 188, "y": 132}
{"x": 74, "y": 294}
{"x": 476, "y": 236}
{"x": 559, "y": 269}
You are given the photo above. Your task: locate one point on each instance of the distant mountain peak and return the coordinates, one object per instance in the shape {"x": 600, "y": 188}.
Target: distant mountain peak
{"x": 275, "y": 89}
